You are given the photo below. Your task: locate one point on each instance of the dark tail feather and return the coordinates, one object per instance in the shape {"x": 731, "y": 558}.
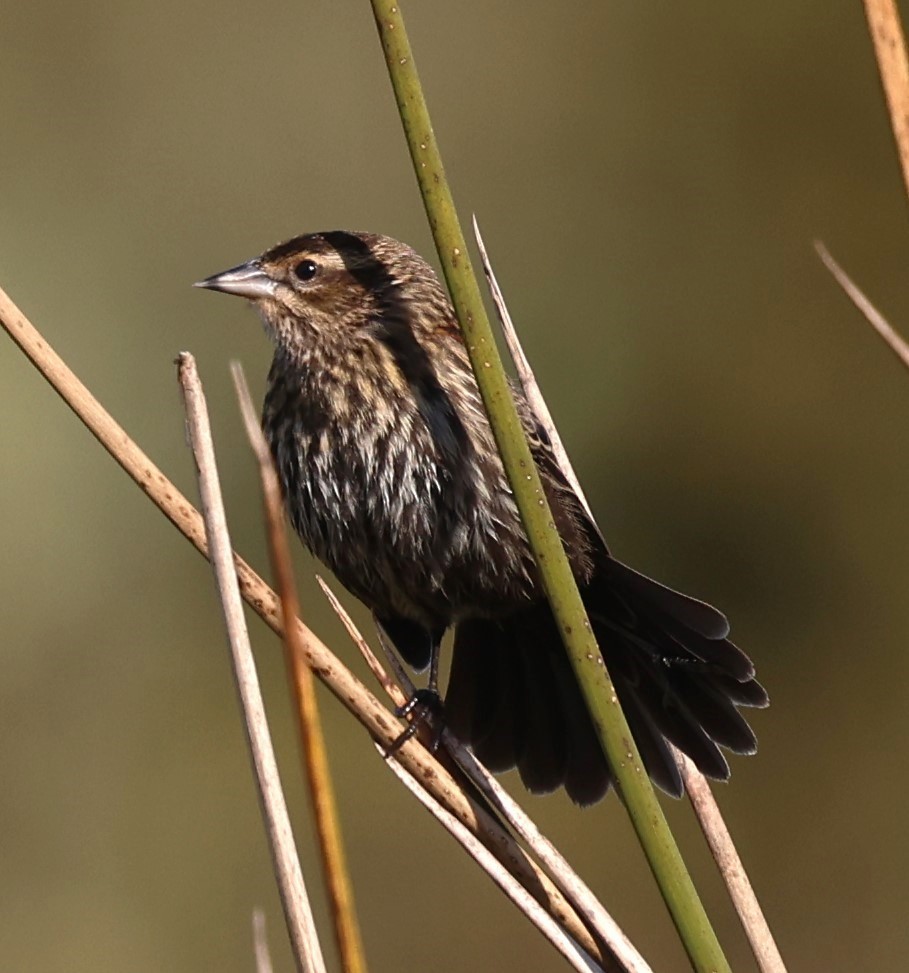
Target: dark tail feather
{"x": 750, "y": 693}
{"x": 649, "y": 688}
{"x": 689, "y": 681}
{"x": 587, "y": 774}
{"x": 513, "y": 696}
{"x": 541, "y": 726}
{"x": 694, "y": 614}
{"x": 715, "y": 712}
{"x": 479, "y": 704}
{"x": 658, "y": 759}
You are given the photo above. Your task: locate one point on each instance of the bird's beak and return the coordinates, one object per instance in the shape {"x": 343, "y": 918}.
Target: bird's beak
{"x": 248, "y": 280}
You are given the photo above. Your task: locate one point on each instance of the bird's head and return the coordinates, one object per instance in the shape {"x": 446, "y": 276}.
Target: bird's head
{"x": 337, "y": 285}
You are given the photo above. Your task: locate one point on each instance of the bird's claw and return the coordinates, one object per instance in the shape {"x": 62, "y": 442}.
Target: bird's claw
{"x": 425, "y": 708}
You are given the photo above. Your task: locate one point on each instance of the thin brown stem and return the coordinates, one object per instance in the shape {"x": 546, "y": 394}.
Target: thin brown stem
{"x": 375, "y": 666}
{"x": 890, "y": 50}
{"x": 873, "y": 316}
{"x": 297, "y": 910}
{"x": 312, "y": 740}
{"x": 526, "y": 377}
{"x": 730, "y": 865}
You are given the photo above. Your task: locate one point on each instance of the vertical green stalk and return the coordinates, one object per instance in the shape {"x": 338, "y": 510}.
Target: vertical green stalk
{"x": 647, "y": 817}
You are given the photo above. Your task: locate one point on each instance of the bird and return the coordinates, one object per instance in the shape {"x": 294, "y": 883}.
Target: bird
{"x": 392, "y": 478}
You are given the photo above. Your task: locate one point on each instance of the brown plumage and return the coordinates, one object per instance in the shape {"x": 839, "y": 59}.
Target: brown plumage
{"x": 392, "y": 479}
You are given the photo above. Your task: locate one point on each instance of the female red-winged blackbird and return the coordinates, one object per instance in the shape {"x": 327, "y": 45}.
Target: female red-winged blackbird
{"x": 393, "y": 479}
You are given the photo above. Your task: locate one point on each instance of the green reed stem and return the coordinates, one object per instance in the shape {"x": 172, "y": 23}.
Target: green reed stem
{"x": 615, "y": 736}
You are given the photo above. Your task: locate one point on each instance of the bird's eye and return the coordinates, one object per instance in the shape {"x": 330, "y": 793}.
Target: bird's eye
{"x": 306, "y": 270}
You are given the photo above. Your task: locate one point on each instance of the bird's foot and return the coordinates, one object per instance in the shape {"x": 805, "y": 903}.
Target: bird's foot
{"x": 425, "y": 709}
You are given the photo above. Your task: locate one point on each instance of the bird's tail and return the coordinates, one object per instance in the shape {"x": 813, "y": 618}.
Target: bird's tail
{"x": 513, "y": 696}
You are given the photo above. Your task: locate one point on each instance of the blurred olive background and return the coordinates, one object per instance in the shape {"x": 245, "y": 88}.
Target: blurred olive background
{"x": 649, "y": 179}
